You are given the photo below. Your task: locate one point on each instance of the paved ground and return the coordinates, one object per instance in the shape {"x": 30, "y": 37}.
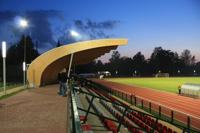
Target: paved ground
{"x": 38, "y": 110}
{"x": 186, "y": 105}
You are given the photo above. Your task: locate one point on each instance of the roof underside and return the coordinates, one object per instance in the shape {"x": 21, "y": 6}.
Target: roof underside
{"x": 44, "y": 69}
{"x": 79, "y": 58}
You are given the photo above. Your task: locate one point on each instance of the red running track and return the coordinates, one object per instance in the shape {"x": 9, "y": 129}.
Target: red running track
{"x": 181, "y": 105}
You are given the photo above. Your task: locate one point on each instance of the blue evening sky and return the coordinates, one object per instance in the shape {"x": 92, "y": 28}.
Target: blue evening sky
{"x": 172, "y": 24}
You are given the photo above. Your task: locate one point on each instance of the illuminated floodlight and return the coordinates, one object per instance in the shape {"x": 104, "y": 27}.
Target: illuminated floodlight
{"x": 23, "y": 23}
{"x": 4, "y": 49}
{"x": 74, "y": 33}
{"x": 24, "y": 66}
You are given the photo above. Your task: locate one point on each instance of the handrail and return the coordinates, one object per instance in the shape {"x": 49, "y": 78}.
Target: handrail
{"x": 76, "y": 120}
{"x": 108, "y": 90}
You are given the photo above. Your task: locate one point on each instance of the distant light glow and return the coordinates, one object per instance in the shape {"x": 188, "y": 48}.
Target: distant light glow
{"x": 116, "y": 72}
{"x": 135, "y": 71}
{"x": 4, "y": 49}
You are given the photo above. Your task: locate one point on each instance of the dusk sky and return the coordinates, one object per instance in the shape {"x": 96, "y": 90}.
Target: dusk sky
{"x": 171, "y": 24}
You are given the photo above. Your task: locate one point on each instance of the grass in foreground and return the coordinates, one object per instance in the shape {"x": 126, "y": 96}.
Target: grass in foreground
{"x": 163, "y": 84}
{"x": 11, "y": 94}
{"x": 10, "y": 86}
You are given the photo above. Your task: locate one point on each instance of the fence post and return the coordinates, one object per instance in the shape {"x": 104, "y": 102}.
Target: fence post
{"x": 150, "y": 107}
{"x": 172, "y": 116}
{"x": 188, "y": 123}
{"x": 131, "y": 99}
{"x": 135, "y": 101}
{"x": 142, "y": 103}
{"x": 159, "y": 111}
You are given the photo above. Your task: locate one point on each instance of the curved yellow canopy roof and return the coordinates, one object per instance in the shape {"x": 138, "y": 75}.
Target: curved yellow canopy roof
{"x": 44, "y": 69}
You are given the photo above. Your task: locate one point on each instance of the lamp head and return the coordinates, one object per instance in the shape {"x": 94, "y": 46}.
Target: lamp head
{"x": 4, "y": 49}
{"x": 23, "y": 23}
{"x": 74, "y": 33}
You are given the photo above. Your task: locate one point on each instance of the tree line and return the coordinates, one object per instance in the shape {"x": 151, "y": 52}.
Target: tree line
{"x": 15, "y": 58}
{"x": 160, "y": 61}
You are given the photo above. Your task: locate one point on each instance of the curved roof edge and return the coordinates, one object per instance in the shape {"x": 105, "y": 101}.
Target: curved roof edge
{"x": 45, "y": 67}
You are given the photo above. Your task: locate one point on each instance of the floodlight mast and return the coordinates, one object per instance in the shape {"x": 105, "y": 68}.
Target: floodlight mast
{"x": 75, "y": 35}
{"x": 23, "y": 23}
{"x": 4, "y": 65}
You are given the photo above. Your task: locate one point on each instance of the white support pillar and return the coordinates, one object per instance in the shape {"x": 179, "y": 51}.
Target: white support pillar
{"x": 70, "y": 65}
{"x": 4, "y": 75}
{"x": 4, "y": 65}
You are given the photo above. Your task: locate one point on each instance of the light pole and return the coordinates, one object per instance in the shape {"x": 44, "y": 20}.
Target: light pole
{"x": 75, "y": 35}
{"x": 24, "y": 23}
{"x": 4, "y": 65}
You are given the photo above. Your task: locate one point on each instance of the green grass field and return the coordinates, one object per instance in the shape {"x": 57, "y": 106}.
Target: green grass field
{"x": 163, "y": 84}
{"x": 9, "y": 85}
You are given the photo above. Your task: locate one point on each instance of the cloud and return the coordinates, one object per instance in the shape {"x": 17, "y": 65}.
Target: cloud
{"x": 40, "y": 25}
{"x": 48, "y": 26}
{"x": 39, "y": 28}
{"x": 88, "y": 30}
{"x": 89, "y": 24}
{"x": 7, "y": 16}
{"x": 96, "y": 29}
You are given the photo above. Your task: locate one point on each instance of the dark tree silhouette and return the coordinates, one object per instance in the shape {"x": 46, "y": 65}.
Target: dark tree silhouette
{"x": 187, "y": 57}
{"x": 15, "y": 58}
{"x": 58, "y": 44}
{"x": 139, "y": 64}
{"x": 163, "y": 60}
{"x": 114, "y": 63}
{"x": 15, "y": 54}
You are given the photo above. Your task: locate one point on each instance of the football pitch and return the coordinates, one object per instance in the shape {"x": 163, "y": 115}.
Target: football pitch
{"x": 163, "y": 84}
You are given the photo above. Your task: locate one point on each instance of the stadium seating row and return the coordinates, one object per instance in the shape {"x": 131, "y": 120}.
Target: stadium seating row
{"x": 143, "y": 121}
{"x": 148, "y": 121}
{"x": 110, "y": 125}
{"x": 124, "y": 121}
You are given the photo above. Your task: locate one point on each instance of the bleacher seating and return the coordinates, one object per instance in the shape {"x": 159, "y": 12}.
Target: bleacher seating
{"x": 143, "y": 121}
{"x": 110, "y": 125}
{"x": 132, "y": 118}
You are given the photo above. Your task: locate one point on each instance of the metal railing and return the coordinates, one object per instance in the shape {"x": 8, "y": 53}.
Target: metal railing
{"x": 184, "y": 121}
{"x": 187, "y": 122}
{"x": 73, "y": 121}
